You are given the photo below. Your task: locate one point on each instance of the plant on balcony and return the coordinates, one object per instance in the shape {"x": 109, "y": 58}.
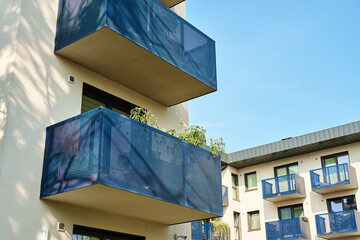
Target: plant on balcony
{"x": 221, "y": 229}
{"x": 193, "y": 134}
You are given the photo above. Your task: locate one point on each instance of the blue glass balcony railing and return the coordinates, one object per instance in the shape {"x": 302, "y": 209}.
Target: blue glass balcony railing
{"x": 294, "y": 228}
{"x": 338, "y": 177}
{"x": 104, "y": 148}
{"x": 338, "y": 224}
{"x": 225, "y": 195}
{"x": 149, "y": 25}
{"x": 284, "y": 187}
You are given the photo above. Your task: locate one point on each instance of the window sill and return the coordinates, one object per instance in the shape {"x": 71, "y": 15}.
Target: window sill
{"x": 250, "y": 190}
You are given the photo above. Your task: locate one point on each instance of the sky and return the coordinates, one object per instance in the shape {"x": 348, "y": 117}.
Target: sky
{"x": 284, "y": 68}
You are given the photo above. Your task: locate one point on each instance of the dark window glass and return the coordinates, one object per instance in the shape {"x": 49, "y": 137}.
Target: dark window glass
{"x": 85, "y": 233}
{"x": 250, "y": 181}
{"x": 342, "y": 204}
{"x": 93, "y": 97}
{"x": 235, "y": 186}
{"x": 287, "y": 169}
{"x": 254, "y": 220}
{"x": 335, "y": 159}
{"x": 288, "y": 212}
{"x": 237, "y": 225}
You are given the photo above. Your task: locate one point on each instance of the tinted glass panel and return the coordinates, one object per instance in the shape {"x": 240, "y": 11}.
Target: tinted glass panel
{"x": 281, "y": 171}
{"x": 89, "y": 103}
{"x": 83, "y": 237}
{"x": 294, "y": 169}
{"x": 350, "y": 203}
{"x": 336, "y": 205}
{"x": 298, "y": 212}
{"x": 254, "y": 221}
{"x": 343, "y": 159}
{"x": 285, "y": 213}
{"x": 329, "y": 162}
{"x": 251, "y": 181}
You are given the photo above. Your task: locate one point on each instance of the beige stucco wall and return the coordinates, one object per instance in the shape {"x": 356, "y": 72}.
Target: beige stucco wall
{"x": 313, "y": 204}
{"x": 34, "y": 94}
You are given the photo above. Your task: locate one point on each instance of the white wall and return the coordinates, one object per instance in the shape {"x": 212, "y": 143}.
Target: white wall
{"x": 34, "y": 94}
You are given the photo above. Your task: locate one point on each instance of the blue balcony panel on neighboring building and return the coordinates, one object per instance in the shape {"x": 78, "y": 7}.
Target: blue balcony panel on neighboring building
{"x": 334, "y": 178}
{"x": 294, "y": 228}
{"x": 106, "y": 161}
{"x": 283, "y": 188}
{"x": 140, "y": 44}
{"x": 338, "y": 224}
{"x": 225, "y": 195}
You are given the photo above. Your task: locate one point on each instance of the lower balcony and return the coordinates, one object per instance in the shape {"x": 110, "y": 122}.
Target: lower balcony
{"x": 283, "y": 188}
{"x": 106, "y": 161}
{"x": 338, "y": 224}
{"x": 225, "y": 196}
{"x": 294, "y": 228}
{"x": 332, "y": 179}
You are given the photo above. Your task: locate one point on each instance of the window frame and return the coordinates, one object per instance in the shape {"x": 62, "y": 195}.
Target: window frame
{"x": 287, "y": 168}
{"x": 236, "y": 188}
{"x": 238, "y": 227}
{"x": 292, "y": 210}
{"x": 249, "y": 214}
{"x": 342, "y": 202}
{"x": 108, "y": 99}
{"x": 247, "y": 189}
{"x": 335, "y": 155}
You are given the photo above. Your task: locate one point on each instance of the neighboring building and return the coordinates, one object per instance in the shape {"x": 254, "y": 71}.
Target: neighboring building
{"x": 272, "y": 187}
{"x": 101, "y": 174}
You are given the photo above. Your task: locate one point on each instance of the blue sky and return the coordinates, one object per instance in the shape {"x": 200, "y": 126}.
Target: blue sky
{"x": 284, "y": 68}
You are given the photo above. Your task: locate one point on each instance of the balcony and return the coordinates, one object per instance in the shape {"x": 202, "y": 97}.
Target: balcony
{"x": 338, "y": 224}
{"x": 225, "y": 196}
{"x": 106, "y": 161}
{"x": 332, "y": 179}
{"x": 294, "y": 228}
{"x": 283, "y": 188}
{"x": 171, "y": 3}
{"x": 140, "y": 44}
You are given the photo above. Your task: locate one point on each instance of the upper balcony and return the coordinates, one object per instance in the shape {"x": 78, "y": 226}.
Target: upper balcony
{"x": 332, "y": 179}
{"x": 171, "y": 3}
{"x": 283, "y": 188}
{"x": 338, "y": 224}
{"x": 106, "y": 161}
{"x": 140, "y": 44}
{"x": 225, "y": 196}
{"x": 294, "y": 228}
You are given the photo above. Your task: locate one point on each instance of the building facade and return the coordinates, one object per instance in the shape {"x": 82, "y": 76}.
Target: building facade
{"x": 304, "y": 187}
{"x": 101, "y": 174}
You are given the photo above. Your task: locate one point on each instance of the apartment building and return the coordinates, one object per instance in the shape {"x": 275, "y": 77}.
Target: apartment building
{"x": 303, "y": 187}
{"x": 101, "y": 175}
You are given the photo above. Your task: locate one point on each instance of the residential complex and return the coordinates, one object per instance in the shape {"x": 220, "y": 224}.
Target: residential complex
{"x": 304, "y": 187}
{"x": 102, "y": 175}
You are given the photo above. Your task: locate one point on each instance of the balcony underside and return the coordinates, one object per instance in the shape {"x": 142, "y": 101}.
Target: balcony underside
{"x": 336, "y": 188}
{"x": 341, "y": 235}
{"x": 285, "y": 197}
{"x": 105, "y": 198}
{"x": 171, "y": 3}
{"x": 121, "y": 60}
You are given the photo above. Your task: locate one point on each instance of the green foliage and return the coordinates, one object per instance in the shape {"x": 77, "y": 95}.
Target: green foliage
{"x": 144, "y": 116}
{"x": 193, "y": 134}
{"x": 217, "y": 146}
{"x": 221, "y": 229}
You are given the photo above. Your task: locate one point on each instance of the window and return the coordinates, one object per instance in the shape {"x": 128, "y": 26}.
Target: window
{"x": 250, "y": 181}
{"x": 287, "y": 169}
{"x": 254, "y": 220}
{"x": 235, "y": 186}
{"x": 93, "y": 97}
{"x": 237, "y": 225}
{"x": 341, "y": 204}
{"x": 85, "y": 233}
{"x": 288, "y": 212}
{"x": 335, "y": 159}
